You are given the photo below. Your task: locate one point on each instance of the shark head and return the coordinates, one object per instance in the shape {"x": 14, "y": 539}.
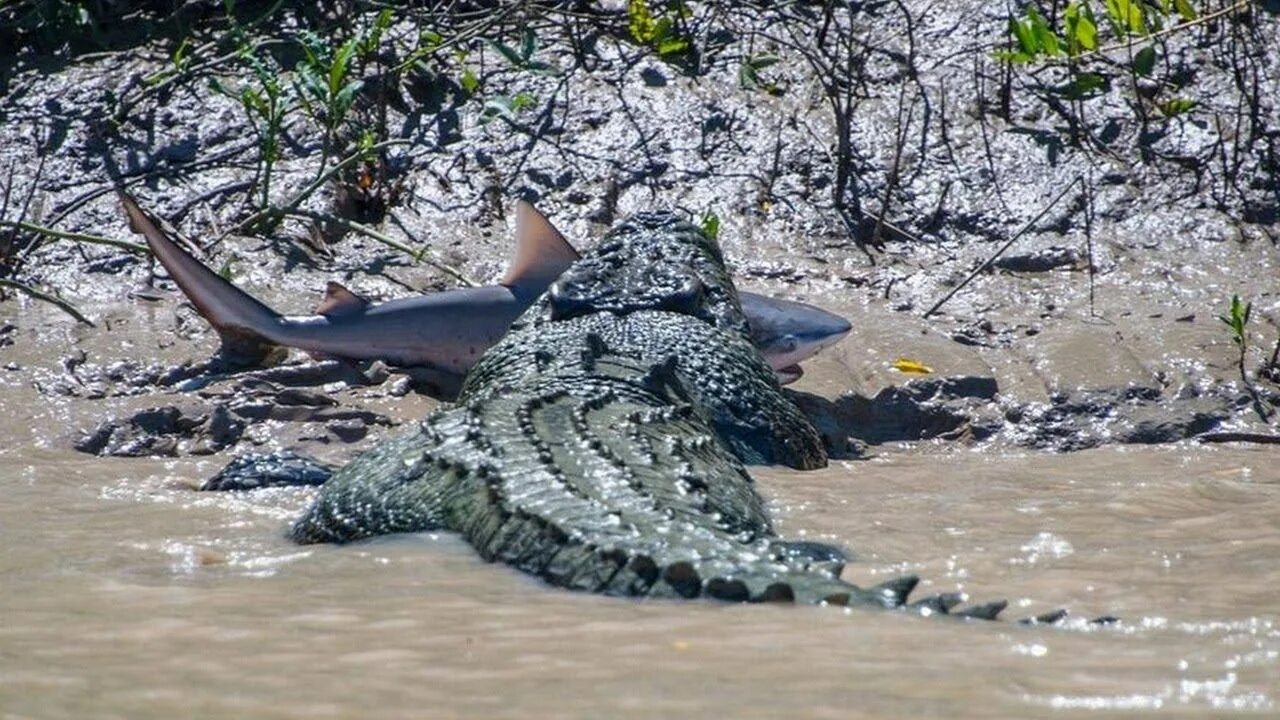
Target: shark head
{"x": 788, "y": 333}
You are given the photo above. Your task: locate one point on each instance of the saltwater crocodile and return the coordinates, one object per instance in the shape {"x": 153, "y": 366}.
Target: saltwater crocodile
{"x": 601, "y": 444}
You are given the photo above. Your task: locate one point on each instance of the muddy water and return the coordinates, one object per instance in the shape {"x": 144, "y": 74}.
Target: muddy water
{"x": 126, "y": 594}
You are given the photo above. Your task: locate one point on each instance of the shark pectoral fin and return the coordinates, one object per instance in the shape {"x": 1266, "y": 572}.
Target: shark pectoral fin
{"x": 542, "y": 254}
{"x": 788, "y": 374}
{"x": 339, "y": 301}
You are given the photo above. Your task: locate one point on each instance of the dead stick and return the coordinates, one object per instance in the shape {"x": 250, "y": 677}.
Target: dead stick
{"x": 61, "y": 304}
{"x": 1221, "y": 437}
{"x": 987, "y": 263}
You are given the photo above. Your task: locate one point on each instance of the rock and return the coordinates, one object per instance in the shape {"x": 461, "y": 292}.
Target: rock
{"x": 923, "y": 409}
{"x": 301, "y": 396}
{"x": 1149, "y": 424}
{"x": 348, "y": 430}
{"x": 377, "y": 373}
{"x": 156, "y": 421}
{"x": 400, "y": 386}
{"x": 1040, "y": 261}
{"x": 222, "y": 429}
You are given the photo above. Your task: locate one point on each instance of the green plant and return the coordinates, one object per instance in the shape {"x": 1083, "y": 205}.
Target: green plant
{"x": 664, "y": 32}
{"x": 325, "y": 88}
{"x": 1237, "y": 319}
{"x": 523, "y": 58}
{"x": 265, "y": 104}
{"x": 711, "y": 224}
{"x": 507, "y": 107}
{"x": 1075, "y": 36}
{"x": 749, "y": 73}
{"x": 326, "y": 80}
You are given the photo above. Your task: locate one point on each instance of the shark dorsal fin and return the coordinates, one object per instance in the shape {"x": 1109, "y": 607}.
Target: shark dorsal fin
{"x": 542, "y": 253}
{"x": 338, "y": 300}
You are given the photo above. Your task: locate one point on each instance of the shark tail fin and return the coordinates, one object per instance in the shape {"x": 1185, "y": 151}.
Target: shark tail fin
{"x": 246, "y": 327}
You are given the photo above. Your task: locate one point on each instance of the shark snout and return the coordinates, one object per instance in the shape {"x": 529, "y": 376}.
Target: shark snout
{"x": 795, "y": 332}
{"x": 830, "y": 329}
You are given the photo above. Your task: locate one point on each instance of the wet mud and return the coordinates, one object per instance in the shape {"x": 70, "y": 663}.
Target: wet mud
{"x": 1052, "y": 454}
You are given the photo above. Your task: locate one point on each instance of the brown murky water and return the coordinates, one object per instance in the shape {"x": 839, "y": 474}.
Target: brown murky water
{"x": 125, "y": 594}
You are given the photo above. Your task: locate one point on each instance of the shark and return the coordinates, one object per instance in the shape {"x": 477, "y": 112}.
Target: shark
{"x": 445, "y": 331}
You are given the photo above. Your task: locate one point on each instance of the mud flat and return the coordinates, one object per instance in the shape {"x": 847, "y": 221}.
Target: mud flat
{"x": 1054, "y": 454}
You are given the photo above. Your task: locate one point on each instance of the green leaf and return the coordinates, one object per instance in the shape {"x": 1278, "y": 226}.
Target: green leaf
{"x": 528, "y": 43}
{"x": 672, "y": 46}
{"x": 506, "y": 107}
{"x": 760, "y": 62}
{"x": 1020, "y": 58}
{"x": 499, "y": 106}
{"x": 1082, "y": 33}
{"x": 640, "y": 21}
{"x": 180, "y": 57}
{"x": 341, "y": 63}
{"x": 430, "y": 39}
{"x": 1025, "y": 36}
{"x": 1045, "y": 38}
{"x": 507, "y": 52}
{"x": 1185, "y": 10}
{"x": 1084, "y": 85}
{"x": 523, "y": 100}
{"x": 1145, "y": 61}
{"x": 1131, "y": 15}
{"x": 342, "y": 102}
{"x": 470, "y": 83}
{"x": 711, "y": 224}
{"x": 1116, "y": 17}
{"x": 1176, "y": 106}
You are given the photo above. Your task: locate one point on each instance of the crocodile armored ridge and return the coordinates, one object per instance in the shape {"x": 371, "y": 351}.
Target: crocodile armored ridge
{"x": 601, "y": 444}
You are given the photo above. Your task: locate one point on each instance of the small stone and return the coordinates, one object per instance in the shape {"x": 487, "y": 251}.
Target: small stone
{"x": 223, "y": 429}
{"x": 400, "y": 386}
{"x": 377, "y": 373}
{"x": 299, "y": 396}
{"x": 348, "y": 430}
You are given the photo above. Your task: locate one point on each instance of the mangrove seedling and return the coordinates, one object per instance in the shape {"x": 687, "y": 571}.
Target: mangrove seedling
{"x": 1238, "y": 320}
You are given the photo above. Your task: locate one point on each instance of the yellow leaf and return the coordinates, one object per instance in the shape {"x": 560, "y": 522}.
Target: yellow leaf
{"x": 912, "y": 367}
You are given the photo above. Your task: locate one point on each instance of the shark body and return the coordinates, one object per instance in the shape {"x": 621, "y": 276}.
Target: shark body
{"x": 445, "y": 331}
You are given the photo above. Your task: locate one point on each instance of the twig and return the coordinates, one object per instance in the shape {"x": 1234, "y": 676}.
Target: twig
{"x": 61, "y": 304}
{"x": 1009, "y": 243}
{"x": 419, "y": 255}
{"x": 1088, "y": 238}
{"x": 296, "y": 200}
{"x": 1222, "y": 437}
{"x": 78, "y": 237}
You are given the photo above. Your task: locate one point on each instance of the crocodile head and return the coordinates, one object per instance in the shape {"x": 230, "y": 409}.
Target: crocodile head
{"x": 652, "y": 261}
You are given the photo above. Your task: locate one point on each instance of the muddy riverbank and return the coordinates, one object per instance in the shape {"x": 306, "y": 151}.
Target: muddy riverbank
{"x": 1055, "y": 453}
